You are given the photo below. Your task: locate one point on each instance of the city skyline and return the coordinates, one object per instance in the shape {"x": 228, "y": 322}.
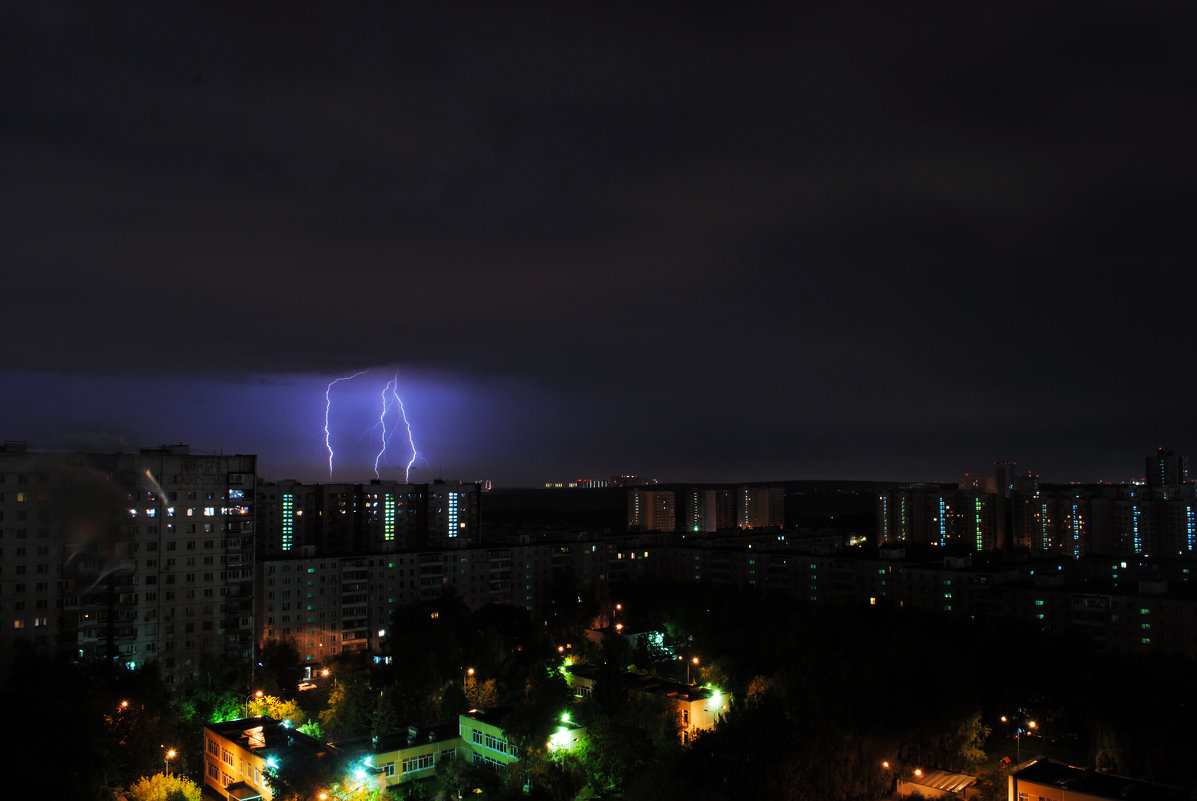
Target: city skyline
{"x": 703, "y": 244}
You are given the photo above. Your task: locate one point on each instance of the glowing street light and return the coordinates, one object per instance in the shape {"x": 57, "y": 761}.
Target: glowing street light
{"x": 257, "y": 694}
{"x": 1018, "y": 741}
{"x": 1018, "y": 733}
{"x": 693, "y": 661}
{"x": 170, "y": 754}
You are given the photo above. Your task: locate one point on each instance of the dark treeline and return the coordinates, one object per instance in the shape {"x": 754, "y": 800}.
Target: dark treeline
{"x": 822, "y": 697}
{"x": 825, "y": 694}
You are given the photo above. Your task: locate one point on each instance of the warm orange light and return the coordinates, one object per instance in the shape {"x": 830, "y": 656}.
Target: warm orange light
{"x": 470, "y": 672}
{"x": 885, "y": 765}
{"x": 918, "y": 772}
{"x": 695, "y": 660}
{"x": 1031, "y": 725}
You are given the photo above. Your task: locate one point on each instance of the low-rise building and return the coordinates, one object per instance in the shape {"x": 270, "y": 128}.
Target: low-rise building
{"x": 240, "y": 754}
{"x": 935, "y": 784}
{"x": 1048, "y": 780}
{"x": 697, "y": 708}
{"x": 484, "y": 741}
{"x": 409, "y": 756}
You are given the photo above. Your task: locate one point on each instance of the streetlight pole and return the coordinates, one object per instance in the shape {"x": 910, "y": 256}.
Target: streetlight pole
{"x": 693, "y": 661}
{"x": 257, "y": 694}
{"x": 170, "y": 754}
{"x": 1019, "y": 731}
{"x": 1018, "y": 741}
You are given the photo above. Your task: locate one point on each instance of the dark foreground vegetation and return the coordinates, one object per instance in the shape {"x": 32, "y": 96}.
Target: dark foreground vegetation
{"x": 829, "y": 703}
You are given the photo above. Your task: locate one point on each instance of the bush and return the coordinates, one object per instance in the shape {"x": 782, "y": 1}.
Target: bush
{"x": 163, "y": 787}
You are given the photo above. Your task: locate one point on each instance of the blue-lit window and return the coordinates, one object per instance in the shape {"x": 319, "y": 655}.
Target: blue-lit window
{"x": 288, "y": 522}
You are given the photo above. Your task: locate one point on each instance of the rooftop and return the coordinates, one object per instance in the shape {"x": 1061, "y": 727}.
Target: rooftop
{"x": 494, "y": 717}
{"x": 267, "y": 737}
{"x": 942, "y": 780}
{"x": 642, "y": 682}
{"x": 1102, "y": 785}
{"x": 396, "y": 741}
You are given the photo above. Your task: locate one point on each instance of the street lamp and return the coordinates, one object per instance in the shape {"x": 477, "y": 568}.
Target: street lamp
{"x": 1018, "y": 733}
{"x": 693, "y": 661}
{"x": 257, "y": 694}
{"x": 1018, "y": 741}
{"x": 170, "y": 754}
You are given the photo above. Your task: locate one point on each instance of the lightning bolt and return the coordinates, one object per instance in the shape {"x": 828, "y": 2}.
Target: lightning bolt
{"x": 410, "y": 441}
{"x": 327, "y": 409}
{"x": 392, "y": 387}
{"x": 382, "y": 421}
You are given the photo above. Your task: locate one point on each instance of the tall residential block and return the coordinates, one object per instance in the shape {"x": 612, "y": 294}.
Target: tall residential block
{"x": 652, "y": 510}
{"x": 380, "y": 517}
{"x": 128, "y": 558}
{"x": 1167, "y": 468}
{"x": 707, "y": 510}
{"x": 760, "y": 507}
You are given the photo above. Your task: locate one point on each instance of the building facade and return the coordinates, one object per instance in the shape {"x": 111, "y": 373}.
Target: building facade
{"x": 706, "y": 509}
{"x": 129, "y": 558}
{"x": 239, "y": 756}
{"x": 379, "y": 517}
{"x": 1006, "y": 512}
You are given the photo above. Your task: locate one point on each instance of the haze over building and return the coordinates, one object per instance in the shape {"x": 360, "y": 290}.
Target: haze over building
{"x": 129, "y": 557}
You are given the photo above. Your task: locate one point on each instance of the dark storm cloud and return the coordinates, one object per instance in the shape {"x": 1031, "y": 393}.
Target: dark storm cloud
{"x": 763, "y": 238}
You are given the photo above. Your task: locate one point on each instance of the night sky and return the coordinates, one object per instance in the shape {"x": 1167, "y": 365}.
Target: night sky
{"x": 692, "y": 241}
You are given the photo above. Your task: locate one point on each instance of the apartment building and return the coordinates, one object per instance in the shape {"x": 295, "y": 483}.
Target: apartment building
{"x": 128, "y": 557}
